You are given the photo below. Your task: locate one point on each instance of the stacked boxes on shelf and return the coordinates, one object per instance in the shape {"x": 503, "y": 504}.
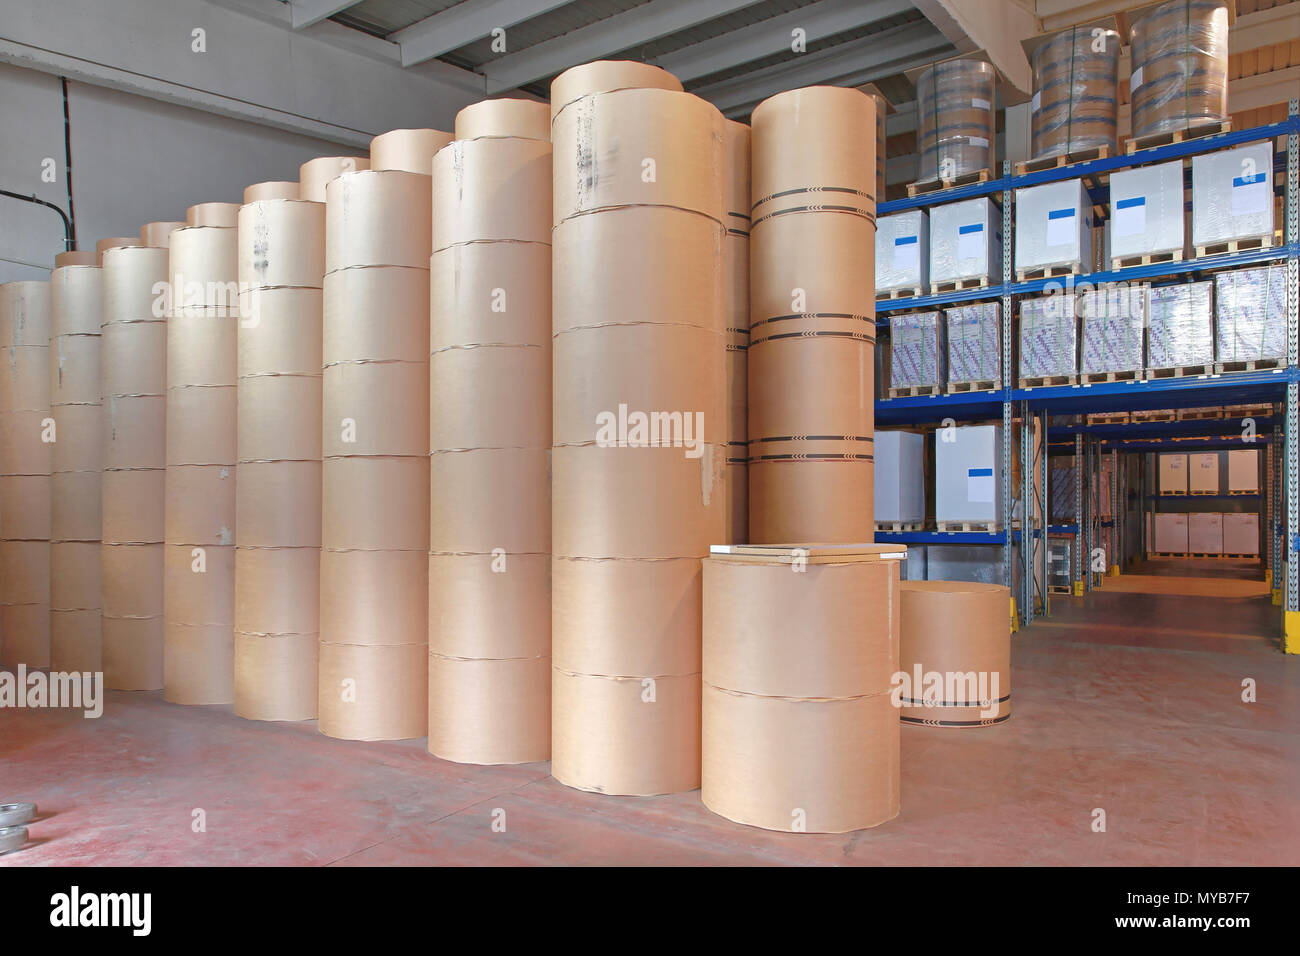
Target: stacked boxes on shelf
{"x": 1170, "y": 534}
{"x": 1112, "y": 320}
{"x": 1250, "y": 318}
{"x": 1232, "y": 198}
{"x": 1146, "y": 215}
{"x": 975, "y": 346}
{"x": 919, "y": 353}
{"x": 1203, "y": 474}
{"x": 968, "y": 477}
{"x": 1173, "y": 474}
{"x": 1049, "y": 340}
{"x": 1053, "y": 233}
{"x": 903, "y": 252}
{"x": 1243, "y": 472}
{"x": 1180, "y": 336}
{"x": 965, "y": 244}
{"x": 900, "y": 490}
{"x": 1205, "y": 533}
{"x": 1241, "y": 534}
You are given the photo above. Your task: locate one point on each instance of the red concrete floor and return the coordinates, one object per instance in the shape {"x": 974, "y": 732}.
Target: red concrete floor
{"x": 1127, "y": 702}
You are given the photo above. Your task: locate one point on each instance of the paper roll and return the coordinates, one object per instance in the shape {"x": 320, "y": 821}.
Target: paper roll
{"x": 76, "y": 300}
{"x": 474, "y": 398}
{"x": 490, "y": 293}
{"x": 74, "y": 576}
{"x": 22, "y": 452}
{"x": 374, "y": 597}
{"x": 827, "y": 501}
{"x": 135, "y": 285}
{"x": 275, "y": 677}
{"x": 199, "y": 585}
{"x": 605, "y": 76}
{"x": 224, "y": 215}
{"x": 135, "y": 433}
{"x": 315, "y": 174}
{"x": 25, "y": 317}
{"x": 278, "y": 504}
{"x": 74, "y": 370}
{"x": 201, "y": 426}
{"x": 25, "y": 507}
{"x": 490, "y": 606}
{"x": 157, "y": 235}
{"x": 76, "y": 641}
{"x": 198, "y": 664}
{"x": 258, "y": 192}
{"x": 490, "y": 190}
{"x": 279, "y": 418}
{"x": 25, "y": 378}
{"x": 133, "y": 358}
{"x": 200, "y": 505}
{"x": 280, "y": 332}
{"x": 408, "y": 150}
{"x": 375, "y": 408}
{"x": 76, "y": 514}
{"x": 132, "y": 580}
{"x": 277, "y": 593}
{"x": 373, "y": 692}
{"x": 489, "y": 711}
{"x": 527, "y": 119}
{"x": 203, "y": 268}
{"x": 132, "y": 506}
{"x": 24, "y": 572}
{"x": 490, "y": 498}
{"x": 281, "y": 243}
{"x": 956, "y": 118}
{"x": 77, "y": 257}
{"x": 133, "y": 653}
{"x": 376, "y": 503}
{"x": 372, "y": 218}
{"x": 24, "y": 635}
{"x": 115, "y": 242}
{"x": 394, "y": 302}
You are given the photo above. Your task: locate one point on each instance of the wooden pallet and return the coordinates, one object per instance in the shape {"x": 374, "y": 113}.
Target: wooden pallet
{"x": 986, "y": 526}
{"x": 1109, "y": 418}
{"x": 899, "y": 294}
{"x": 1180, "y": 371}
{"x": 1238, "y": 557}
{"x": 909, "y": 391}
{"x": 1060, "y": 589}
{"x": 1254, "y": 493}
{"x": 900, "y": 525}
{"x": 1090, "y": 378}
{"x": 1200, "y": 492}
{"x": 1065, "y": 159}
{"x": 1254, "y": 365}
{"x": 1136, "y": 143}
{"x": 1172, "y": 494}
{"x": 922, "y": 187}
{"x": 1234, "y": 245}
{"x": 983, "y": 386}
{"x": 959, "y": 285}
{"x": 1047, "y": 381}
{"x": 1147, "y": 259}
{"x": 1200, "y": 414}
{"x": 1154, "y": 415}
{"x": 1247, "y": 411}
{"x": 1050, "y": 272}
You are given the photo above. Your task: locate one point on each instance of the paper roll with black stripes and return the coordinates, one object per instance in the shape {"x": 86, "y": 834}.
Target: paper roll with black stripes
{"x": 639, "y": 330}
{"x": 812, "y": 318}
{"x": 199, "y": 528}
{"x": 801, "y": 735}
{"x": 954, "y": 658}
{"x": 133, "y": 379}
{"x": 489, "y": 440}
{"x": 77, "y": 464}
{"x": 1179, "y": 65}
{"x": 278, "y": 445}
{"x": 25, "y": 465}
{"x": 1075, "y": 75}
{"x": 735, "y": 259}
{"x": 529, "y": 119}
{"x": 375, "y": 446}
{"x": 955, "y": 118}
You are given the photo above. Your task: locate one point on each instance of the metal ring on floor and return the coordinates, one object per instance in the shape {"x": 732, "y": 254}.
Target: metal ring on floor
{"x": 11, "y": 838}
{"x": 16, "y": 814}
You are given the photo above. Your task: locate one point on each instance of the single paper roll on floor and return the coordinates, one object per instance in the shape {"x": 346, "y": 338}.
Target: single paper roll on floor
{"x": 955, "y": 653}
{"x": 486, "y": 711}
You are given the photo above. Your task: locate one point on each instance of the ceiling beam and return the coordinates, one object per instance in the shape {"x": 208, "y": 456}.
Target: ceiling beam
{"x": 773, "y": 35}
{"x": 637, "y": 26}
{"x": 308, "y": 13}
{"x": 464, "y": 23}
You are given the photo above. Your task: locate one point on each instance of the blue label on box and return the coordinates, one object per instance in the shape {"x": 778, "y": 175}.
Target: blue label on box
{"x": 905, "y": 240}
{"x": 1130, "y": 203}
{"x": 1061, "y": 214}
{"x": 980, "y": 473}
{"x": 1248, "y": 180}
{"x": 973, "y": 227}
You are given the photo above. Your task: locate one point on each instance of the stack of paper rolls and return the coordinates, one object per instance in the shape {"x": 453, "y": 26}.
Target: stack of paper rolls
{"x": 736, "y": 268}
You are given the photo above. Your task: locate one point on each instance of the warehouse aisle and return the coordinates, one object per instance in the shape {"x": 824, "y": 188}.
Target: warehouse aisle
{"x": 1131, "y": 704}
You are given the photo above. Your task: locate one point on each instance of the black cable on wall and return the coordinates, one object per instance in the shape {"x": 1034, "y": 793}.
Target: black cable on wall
{"x": 71, "y": 240}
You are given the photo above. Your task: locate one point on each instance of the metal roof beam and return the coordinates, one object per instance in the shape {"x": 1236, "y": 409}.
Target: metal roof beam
{"x": 308, "y": 13}
{"x": 464, "y": 23}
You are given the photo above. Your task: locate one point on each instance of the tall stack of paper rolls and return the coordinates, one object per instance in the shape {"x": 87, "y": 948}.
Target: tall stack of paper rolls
{"x": 77, "y": 463}
{"x": 736, "y": 266}
{"x": 133, "y": 376}
{"x": 489, "y": 467}
{"x": 315, "y": 174}
{"x": 375, "y": 474}
{"x": 278, "y": 445}
{"x": 1074, "y": 105}
{"x": 1179, "y": 72}
{"x": 25, "y": 462}
{"x": 955, "y": 118}
{"x": 812, "y": 309}
{"x": 639, "y": 318}
{"x": 199, "y": 556}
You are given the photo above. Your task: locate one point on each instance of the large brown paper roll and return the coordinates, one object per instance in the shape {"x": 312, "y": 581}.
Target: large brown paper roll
{"x": 22, "y": 452}
{"x": 200, "y": 505}
{"x": 280, "y": 332}
{"x": 376, "y": 314}
{"x": 474, "y": 398}
{"x": 135, "y": 433}
{"x": 74, "y": 575}
{"x": 490, "y": 711}
{"x": 626, "y": 617}
{"x": 25, "y": 507}
{"x": 80, "y": 445}
{"x": 198, "y": 663}
{"x": 24, "y": 635}
{"x": 259, "y": 192}
{"x": 157, "y": 235}
{"x": 133, "y": 358}
{"x": 133, "y": 653}
{"x": 687, "y": 246}
{"x": 1179, "y": 65}
{"x": 25, "y": 572}
{"x": 827, "y": 500}
{"x": 25, "y": 317}
{"x": 204, "y": 273}
{"x": 115, "y": 242}
{"x": 76, "y": 301}
{"x": 224, "y": 215}
{"x": 490, "y": 293}
{"x": 956, "y": 119}
{"x": 368, "y": 409}
{"x": 132, "y": 580}
{"x": 408, "y": 150}
{"x": 376, "y": 503}
{"x": 277, "y": 591}
{"x": 281, "y": 243}
{"x": 201, "y": 426}
{"x": 279, "y": 418}
{"x": 278, "y": 504}
{"x": 74, "y": 370}
{"x": 135, "y": 284}
{"x": 77, "y": 257}
{"x": 489, "y": 498}
{"x": 526, "y": 119}
{"x": 490, "y": 606}
{"x": 607, "y": 735}
{"x": 735, "y": 267}
{"x": 25, "y": 377}
{"x": 75, "y": 641}
{"x": 638, "y": 147}
{"x": 275, "y": 676}
{"x": 76, "y": 515}
{"x": 955, "y": 628}
{"x": 605, "y": 76}
{"x": 192, "y": 597}
{"x": 492, "y": 189}
{"x": 370, "y": 220}
{"x": 132, "y": 506}
{"x": 373, "y": 692}
{"x": 315, "y": 174}
{"x": 374, "y": 597}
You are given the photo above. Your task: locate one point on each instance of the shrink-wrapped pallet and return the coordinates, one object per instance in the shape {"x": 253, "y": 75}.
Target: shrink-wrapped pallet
{"x": 974, "y": 334}
{"x": 903, "y": 252}
{"x": 1179, "y": 71}
{"x": 1232, "y": 195}
{"x": 965, "y": 242}
{"x": 1146, "y": 213}
{"x": 919, "y": 354}
{"x": 1113, "y": 323}
{"x": 1053, "y": 226}
{"x": 1180, "y": 329}
{"x": 955, "y": 118}
{"x": 1075, "y": 75}
{"x": 1049, "y": 337}
{"x": 1250, "y": 315}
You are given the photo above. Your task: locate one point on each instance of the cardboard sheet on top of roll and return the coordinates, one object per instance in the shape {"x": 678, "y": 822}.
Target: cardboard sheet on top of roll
{"x": 525, "y": 119}
{"x": 1075, "y": 76}
{"x": 157, "y": 235}
{"x": 373, "y": 652}
{"x": 955, "y": 652}
{"x": 735, "y": 260}
{"x": 489, "y": 489}
{"x": 315, "y": 174}
{"x": 606, "y": 76}
{"x": 801, "y": 735}
{"x": 811, "y": 410}
{"x": 25, "y": 480}
{"x": 632, "y": 513}
{"x": 199, "y": 588}
{"x": 77, "y": 462}
{"x": 133, "y": 379}
{"x": 1179, "y": 65}
{"x": 278, "y": 445}
{"x": 407, "y": 150}
{"x": 956, "y": 119}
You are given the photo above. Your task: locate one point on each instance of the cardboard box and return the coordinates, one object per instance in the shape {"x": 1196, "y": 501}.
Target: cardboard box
{"x": 968, "y": 474}
{"x": 1243, "y": 471}
{"x": 1203, "y": 474}
{"x": 1053, "y": 226}
{"x": 1205, "y": 533}
{"x": 1171, "y": 534}
{"x": 1173, "y": 474}
{"x": 1146, "y": 211}
{"x": 966, "y": 241}
{"x": 1241, "y": 534}
{"x": 903, "y": 251}
{"x": 900, "y": 476}
{"x": 1232, "y": 194}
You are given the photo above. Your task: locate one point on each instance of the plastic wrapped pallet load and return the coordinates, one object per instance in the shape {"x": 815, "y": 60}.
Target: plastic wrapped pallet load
{"x": 900, "y": 478}
{"x": 1250, "y": 317}
{"x": 1112, "y": 322}
{"x": 278, "y": 444}
{"x": 1053, "y": 227}
{"x": 1232, "y": 197}
{"x": 1179, "y": 74}
{"x": 1049, "y": 331}
{"x": 632, "y": 512}
{"x": 1180, "y": 327}
{"x": 954, "y": 654}
{"x": 968, "y": 477}
{"x": 956, "y": 119}
{"x": 133, "y": 356}
{"x": 975, "y": 345}
{"x": 903, "y": 252}
{"x": 1203, "y": 473}
{"x": 735, "y": 264}
{"x": 1075, "y": 78}
{"x": 1146, "y": 214}
{"x": 802, "y": 736}
{"x": 965, "y": 243}
{"x": 76, "y": 466}
{"x": 918, "y": 352}
{"x": 25, "y": 463}
{"x": 526, "y": 119}
{"x": 489, "y": 627}
{"x": 375, "y": 473}
{"x": 812, "y": 308}
{"x": 1241, "y": 534}
{"x": 199, "y": 535}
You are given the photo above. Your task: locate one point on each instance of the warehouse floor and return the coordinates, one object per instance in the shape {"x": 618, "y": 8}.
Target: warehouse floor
{"x": 1128, "y": 702}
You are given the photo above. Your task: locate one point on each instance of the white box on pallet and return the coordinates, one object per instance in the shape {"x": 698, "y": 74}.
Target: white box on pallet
{"x": 1205, "y": 532}
{"x": 1146, "y": 211}
{"x": 1240, "y": 534}
{"x": 1232, "y": 194}
{"x": 1173, "y": 474}
{"x": 1171, "y": 533}
{"x": 1054, "y": 226}
{"x": 1203, "y": 473}
{"x": 1243, "y": 471}
{"x": 968, "y": 474}
{"x": 966, "y": 241}
{"x": 900, "y": 476}
{"x": 903, "y": 251}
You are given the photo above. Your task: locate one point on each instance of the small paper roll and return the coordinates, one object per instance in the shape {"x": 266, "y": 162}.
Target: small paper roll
{"x": 409, "y": 150}
{"x": 157, "y": 235}
{"x": 315, "y": 174}
{"x": 271, "y": 190}
{"x": 222, "y": 214}
{"x": 528, "y": 119}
